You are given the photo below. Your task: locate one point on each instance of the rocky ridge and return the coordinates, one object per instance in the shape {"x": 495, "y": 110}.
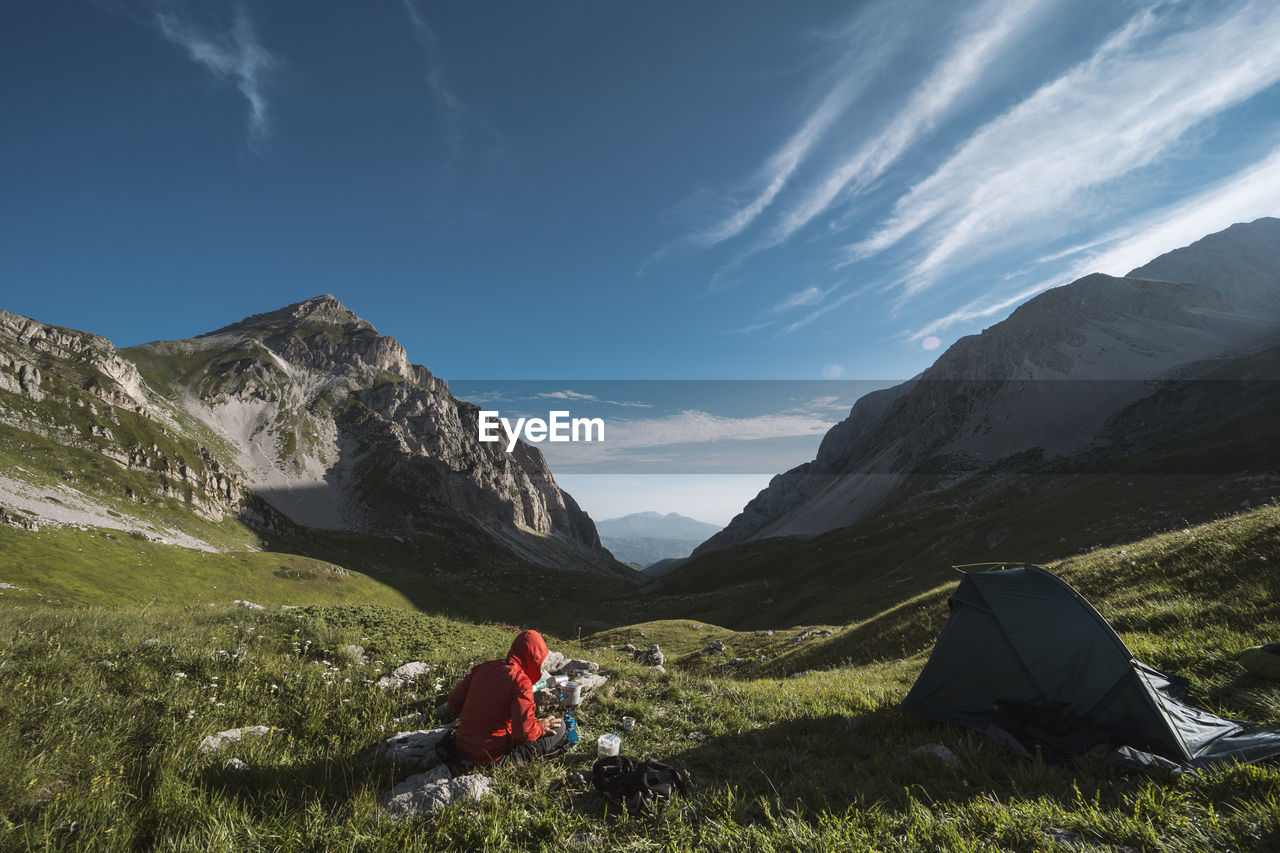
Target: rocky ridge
{"x": 1044, "y": 381}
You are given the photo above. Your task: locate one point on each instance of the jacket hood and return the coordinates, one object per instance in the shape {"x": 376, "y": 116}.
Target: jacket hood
{"x": 528, "y": 651}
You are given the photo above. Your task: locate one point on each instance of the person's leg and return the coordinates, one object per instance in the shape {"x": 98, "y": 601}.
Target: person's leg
{"x": 549, "y": 745}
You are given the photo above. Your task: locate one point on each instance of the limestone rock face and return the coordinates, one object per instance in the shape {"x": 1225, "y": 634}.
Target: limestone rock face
{"x": 94, "y": 398}
{"x": 123, "y": 386}
{"x": 337, "y": 429}
{"x": 305, "y": 417}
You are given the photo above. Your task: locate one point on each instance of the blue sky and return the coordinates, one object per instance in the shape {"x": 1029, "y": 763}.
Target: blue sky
{"x": 625, "y": 190}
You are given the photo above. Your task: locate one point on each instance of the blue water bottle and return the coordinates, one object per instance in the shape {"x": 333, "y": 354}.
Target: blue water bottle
{"x": 570, "y": 727}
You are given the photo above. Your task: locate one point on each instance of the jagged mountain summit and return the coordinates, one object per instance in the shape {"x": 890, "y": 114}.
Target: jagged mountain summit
{"x": 299, "y": 419}
{"x": 1044, "y": 383}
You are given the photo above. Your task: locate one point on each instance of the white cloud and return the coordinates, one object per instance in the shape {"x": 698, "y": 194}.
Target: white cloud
{"x": 590, "y": 398}
{"x": 824, "y": 309}
{"x": 693, "y": 426}
{"x": 873, "y": 35}
{"x": 1122, "y": 109}
{"x": 802, "y": 298}
{"x": 448, "y": 105}
{"x": 995, "y": 25}
{"x": 234, "y": 55}
{"x": 1251, "y": 193}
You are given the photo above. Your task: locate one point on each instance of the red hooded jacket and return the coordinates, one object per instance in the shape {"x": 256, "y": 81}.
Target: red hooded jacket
{"x": 495, "y": 702}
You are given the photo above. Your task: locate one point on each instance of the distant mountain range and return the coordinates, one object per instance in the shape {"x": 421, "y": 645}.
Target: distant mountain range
{"x": 645, "y": 538}
{"x": 304, "y": 424}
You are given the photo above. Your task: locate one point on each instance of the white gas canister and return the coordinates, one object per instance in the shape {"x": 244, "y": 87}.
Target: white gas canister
{"x": 607, "y": 745}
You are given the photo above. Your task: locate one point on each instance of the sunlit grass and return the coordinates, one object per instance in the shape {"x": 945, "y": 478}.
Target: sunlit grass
{"x": 102, "y": 714}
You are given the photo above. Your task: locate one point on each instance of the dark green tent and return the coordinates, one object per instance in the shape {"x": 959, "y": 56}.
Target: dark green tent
{"x": 1025, "y": 636}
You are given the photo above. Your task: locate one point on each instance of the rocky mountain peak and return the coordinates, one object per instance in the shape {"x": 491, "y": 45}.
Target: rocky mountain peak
{"x": 324, "y": 309}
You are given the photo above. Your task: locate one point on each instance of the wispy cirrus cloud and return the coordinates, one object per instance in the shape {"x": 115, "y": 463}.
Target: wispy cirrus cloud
{"x": 1124, "y": 108}
{"x": 232, "y": 54}
{"x": 811, "y": 295}
{"x": 994, "y": 26}
{"x": 1250, "y": 193}
{"x": 870, "y": 38}
{"x": 447, "y": 103}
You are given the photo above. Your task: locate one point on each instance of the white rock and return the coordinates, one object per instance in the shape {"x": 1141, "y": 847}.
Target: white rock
{"x": 553, "y": 663}
{"x": 215, "y": 742}
{"x": 403, "y": 676}
{"x": 414, "y": 750}
{"x": 354, "y": 653}
{"x": 236, "y": 765}
{"x": 427, "y": 792}
{"x": 249, "y": 604}
{"x": 411, "y": 670}
{"x": 938, "y": 751}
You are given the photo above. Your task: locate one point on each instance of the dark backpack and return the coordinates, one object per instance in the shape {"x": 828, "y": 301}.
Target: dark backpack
{"x": 637, "y": 786}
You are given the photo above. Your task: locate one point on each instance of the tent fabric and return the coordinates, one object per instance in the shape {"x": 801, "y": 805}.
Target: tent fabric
{"x": 1024, "y": 636}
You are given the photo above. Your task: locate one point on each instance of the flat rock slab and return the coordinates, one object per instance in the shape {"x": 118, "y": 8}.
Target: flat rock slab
{"x": 215, "y": 742}
{"x": 425, "y": 793}
{"x": 403, "y": 676}
{"x": 413, "y": 750}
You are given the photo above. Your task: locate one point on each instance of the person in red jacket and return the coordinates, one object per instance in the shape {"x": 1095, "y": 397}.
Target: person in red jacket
{"x": 498, "y": 717}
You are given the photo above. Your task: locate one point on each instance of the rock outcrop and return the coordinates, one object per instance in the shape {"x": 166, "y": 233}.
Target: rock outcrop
{"x": 295, "y": 419}
{"x": 337, "y": 429}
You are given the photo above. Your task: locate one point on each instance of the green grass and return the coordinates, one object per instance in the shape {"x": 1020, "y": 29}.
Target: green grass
{"x": 100, "y": 737}
{"x": 69, "y": 566}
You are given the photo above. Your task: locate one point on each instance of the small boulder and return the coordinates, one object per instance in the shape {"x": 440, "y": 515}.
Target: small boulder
{"x": 353, "y": 655}
{"x": 248, "y": 605}
{"x": 554, "y": 662}
{"x": 215, "y": 742}
{"x": 403, "y": 676}
{"x": 938, "y": 752}
{"x": 715, "y": 647}
{"x": 426, "y": 793}
{"x": 1073, "y": 840}
{"x": 573, "y": 664}
{"x": 235, "y": 765}
{"x": 415, "y": 750}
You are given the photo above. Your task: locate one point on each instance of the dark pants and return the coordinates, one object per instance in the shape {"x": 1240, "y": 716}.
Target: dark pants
{"x": 549, "y": 745}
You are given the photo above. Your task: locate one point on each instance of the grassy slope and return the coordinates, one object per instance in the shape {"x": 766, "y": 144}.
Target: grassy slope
{"x": 100, "y": 744}
{"x": 72, "y": 459}
{"x": 69, "y": 566}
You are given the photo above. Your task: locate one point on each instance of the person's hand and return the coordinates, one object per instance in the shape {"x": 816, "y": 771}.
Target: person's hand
{"x": 552, "y": 723}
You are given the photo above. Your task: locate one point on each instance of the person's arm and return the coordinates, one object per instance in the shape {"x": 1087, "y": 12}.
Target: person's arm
{"x": 524, "y": 715}
{"x": 458, "y": 697}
